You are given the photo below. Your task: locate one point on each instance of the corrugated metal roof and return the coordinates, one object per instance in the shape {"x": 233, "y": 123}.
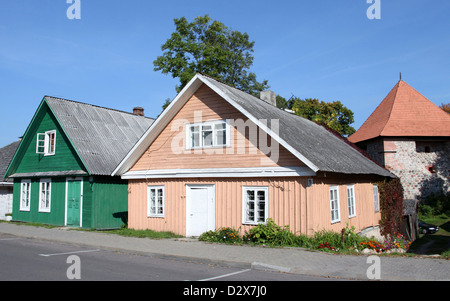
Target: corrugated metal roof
{"x": 323, "y": 149}
{"x": 101, "y": 136}
{"x": 6, "y": 155}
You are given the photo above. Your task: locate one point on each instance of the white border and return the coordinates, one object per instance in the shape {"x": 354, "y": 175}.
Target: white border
{"x": 258, "y": 172}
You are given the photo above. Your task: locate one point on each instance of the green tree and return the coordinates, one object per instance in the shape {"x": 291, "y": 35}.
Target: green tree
{"x": 332, "y": 114}
{"x": 445, "y": 107}
{"x": 209, "y": 47}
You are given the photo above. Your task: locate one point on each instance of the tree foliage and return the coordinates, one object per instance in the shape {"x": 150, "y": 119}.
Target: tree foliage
{"x": 331, "y": 114}
{"x": 445, "y": 107}
{"x": 211, "y": 48}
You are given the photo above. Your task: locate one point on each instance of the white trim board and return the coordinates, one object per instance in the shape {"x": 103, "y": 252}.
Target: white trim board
{"x": 221, "y": 173}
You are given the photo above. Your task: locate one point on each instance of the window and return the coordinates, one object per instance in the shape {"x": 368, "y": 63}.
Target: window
{"x": 44, "y": 195}
{"x": 376, "y": 199}
{"x": 207, "y": 134}
{"x": 334, "y": 204}
{"x": 351, "y": 201}
{"x": 25, "y": 193}
{"x": 155, "y": 206}
{"x": 255, "y": 205}
{"x": 46, "y": 142}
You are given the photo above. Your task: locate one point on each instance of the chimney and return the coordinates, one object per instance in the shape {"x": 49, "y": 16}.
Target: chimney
{"x": 269, "y": 97}
{"x": 138, "y": 111}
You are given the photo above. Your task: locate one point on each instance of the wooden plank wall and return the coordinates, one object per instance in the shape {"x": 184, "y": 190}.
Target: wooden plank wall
{"x": 160, "y": 154}
{"x": 291, "y": 202}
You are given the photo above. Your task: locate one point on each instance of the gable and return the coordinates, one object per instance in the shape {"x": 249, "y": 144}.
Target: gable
{"x": 168, "y": 150}
{"x": 310, "y": 143}
{"x": 28, "y": 161}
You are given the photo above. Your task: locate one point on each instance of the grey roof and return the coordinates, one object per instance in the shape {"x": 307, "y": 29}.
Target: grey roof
{"x": 102, "y": 137}
{"x": 6, "y": 155}
{"x": 322, "y": 148}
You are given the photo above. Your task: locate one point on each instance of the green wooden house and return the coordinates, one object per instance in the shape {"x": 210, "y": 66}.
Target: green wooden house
{"x": 63, "y": 165}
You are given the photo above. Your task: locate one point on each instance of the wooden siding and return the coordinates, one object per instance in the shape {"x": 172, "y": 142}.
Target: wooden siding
{"x": 65, "y": 157}
{"x": 160, "y": 154}
{"x": 57, "y": 203}
{"x": 305, "y": 209}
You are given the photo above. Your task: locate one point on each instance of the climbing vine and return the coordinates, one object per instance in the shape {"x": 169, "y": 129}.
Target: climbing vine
{"x": 391, "y": 205}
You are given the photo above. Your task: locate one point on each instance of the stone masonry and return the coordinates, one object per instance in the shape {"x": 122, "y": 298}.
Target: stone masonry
{"x": 423, "y": 166}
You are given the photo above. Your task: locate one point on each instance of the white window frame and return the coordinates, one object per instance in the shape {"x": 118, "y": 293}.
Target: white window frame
{"x": 156, "y": 206}
{"x": 376, "y": 198}
{"x": 45, "y": 195}
{"x": 257, "y": 218}
{"x": 334, "y": 204}
{"x": 202, "y": 128}
{"x": 25, "y": 197}
{"x": 44, "y": 145}
{"x": 351, "y": 201}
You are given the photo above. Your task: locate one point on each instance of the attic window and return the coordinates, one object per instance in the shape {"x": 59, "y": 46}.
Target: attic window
{"x": 207, "y": 134}
{"x": 46, "y": 143}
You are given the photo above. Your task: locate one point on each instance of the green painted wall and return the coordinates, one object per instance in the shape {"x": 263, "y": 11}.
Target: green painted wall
{"x": 104, "y": 205}
{"x": 109, "y": 202}
{"x": 105, "y": 199}
{"x": 65, "y": 157}
{"x": 57, "y": 203}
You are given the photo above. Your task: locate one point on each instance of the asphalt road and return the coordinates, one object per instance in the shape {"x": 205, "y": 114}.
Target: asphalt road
{"x": 24, "y": 259}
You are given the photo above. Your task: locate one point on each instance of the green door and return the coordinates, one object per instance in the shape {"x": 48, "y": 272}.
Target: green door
{"x": 73, "y": 203}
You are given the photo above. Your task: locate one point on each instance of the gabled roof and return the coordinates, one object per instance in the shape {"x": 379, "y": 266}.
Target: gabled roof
{"x": 319, "y": 149}
{"x": 6, "y": 154}
{"x": 404, "y": 113}
{"x": 100, "y": 136}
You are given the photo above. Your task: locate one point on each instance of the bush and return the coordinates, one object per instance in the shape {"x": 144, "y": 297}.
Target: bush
{"x": 270, "y": 233}
{"x": 224, "y": 234}
{"x": 435, "y": 205}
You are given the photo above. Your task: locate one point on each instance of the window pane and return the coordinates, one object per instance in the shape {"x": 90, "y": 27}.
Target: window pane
{"x": 195, "y": 136}
{"x": 261, "y": 211}
{"x": 207, "y": 135}
{"x": 220, "y": 132}
{"x": 152, "y": 201}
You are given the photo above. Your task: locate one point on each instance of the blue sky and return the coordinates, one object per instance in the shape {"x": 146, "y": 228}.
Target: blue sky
{"x": 325, "y": 49}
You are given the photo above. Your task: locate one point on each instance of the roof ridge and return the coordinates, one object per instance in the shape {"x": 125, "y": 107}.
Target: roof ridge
{"x": 95, "y": 106}
{"x": 397, "y": 86}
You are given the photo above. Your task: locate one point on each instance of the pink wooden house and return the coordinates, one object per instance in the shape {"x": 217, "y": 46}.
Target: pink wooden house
{"x": 219, "y": 157}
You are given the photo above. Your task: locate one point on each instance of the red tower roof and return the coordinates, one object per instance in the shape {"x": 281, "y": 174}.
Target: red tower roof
{"x": 404, "y": 112}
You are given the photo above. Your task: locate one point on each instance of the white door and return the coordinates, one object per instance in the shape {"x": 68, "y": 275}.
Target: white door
{"x": 200, "y": 209}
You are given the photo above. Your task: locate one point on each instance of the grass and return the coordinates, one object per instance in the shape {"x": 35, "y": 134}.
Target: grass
{"x": 122, "y": 231}
{"x": 142, "y": 233}
{"x": 436, "y": 243}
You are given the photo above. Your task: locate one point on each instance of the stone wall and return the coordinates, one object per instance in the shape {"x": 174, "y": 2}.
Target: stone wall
{"x": 422, "y": 166}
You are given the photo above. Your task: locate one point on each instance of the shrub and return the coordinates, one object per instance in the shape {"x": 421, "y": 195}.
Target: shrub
{"x": 224, "y": 234}
{"x": 211, "y": 236}
{"x": 435, "y": 205}
{"x": 270, "y": 233}
{"x": 228, "y": 235}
